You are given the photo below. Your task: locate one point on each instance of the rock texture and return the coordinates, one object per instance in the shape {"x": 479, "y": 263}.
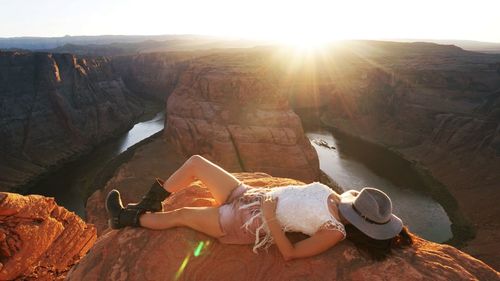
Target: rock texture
{"x": 55, "y": 106}
{"x": 153, "y": 75}
{"x": 183, "y": 254}
{"x": 229, "y": 108}
{"x": 38, "y": 239}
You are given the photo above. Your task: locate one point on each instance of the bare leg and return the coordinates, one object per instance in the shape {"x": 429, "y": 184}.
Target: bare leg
{"x": 202, "y": 219}
{"x": 218, "y": 181}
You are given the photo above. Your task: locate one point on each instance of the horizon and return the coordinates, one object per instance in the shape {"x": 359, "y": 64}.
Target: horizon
{"x": 401, "y": 40}
{"x": 312, "y": 21}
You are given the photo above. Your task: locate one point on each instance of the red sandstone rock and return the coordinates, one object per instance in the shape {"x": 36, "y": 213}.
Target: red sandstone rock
{"x": 38, "y": 239}
{"x": 184, "y": 254}
{"x": 230, "y": 110}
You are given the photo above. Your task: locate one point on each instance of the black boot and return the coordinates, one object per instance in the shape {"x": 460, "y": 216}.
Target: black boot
{"x": 152, "y": 200}
{"x": 120, "y": 217}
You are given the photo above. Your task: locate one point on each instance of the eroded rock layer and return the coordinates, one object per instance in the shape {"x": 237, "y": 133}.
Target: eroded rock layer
{"x": 38, "y": 239}
{"x": 229, "y": 108}
{"x": 152, "y": 74}
{"x": 183, "y": 254}
{"x": 55, "y": 106}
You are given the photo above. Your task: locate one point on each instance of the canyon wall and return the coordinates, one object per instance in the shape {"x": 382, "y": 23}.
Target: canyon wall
{"x": 152, "y": 75}
{"x": 53, "y": 107}
{"x": 438, "y": 106}
{"x": 228, "y": 107}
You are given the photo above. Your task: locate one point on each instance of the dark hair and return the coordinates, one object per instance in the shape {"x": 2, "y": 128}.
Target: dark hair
{"x": 378, "y": 249}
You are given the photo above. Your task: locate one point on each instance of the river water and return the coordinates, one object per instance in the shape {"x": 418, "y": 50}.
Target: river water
{"x": 70, "y": 184}
{"x": 354, "y": 164}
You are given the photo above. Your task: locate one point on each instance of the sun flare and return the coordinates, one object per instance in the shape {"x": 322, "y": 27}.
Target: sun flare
{"x": 305, "y": 43}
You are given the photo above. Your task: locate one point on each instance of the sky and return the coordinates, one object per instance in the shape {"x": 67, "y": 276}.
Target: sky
{"x": 257, "y": 19}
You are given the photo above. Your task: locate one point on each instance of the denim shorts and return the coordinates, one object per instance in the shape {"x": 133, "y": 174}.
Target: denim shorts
{"x": 232, "y": 217}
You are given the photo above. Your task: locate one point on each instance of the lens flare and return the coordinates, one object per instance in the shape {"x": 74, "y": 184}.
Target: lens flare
{"x": 198, "y": 249}
{"x": 182, "y": 267}
{"x": 196, "y": 253}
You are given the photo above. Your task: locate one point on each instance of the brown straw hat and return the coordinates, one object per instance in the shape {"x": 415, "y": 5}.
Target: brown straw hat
{"x": 370, "y": 210}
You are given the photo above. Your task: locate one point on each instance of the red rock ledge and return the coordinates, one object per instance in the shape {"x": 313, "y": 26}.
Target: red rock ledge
{"x": 40, "y": 240}
{"x": 183, "y": 254}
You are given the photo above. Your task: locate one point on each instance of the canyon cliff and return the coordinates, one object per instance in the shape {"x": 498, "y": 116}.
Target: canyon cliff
{"x": 229, "y": 108}
{"x": 40, "y": 240}
{"x": 56, "y": 106}
{"x": 436, "y": 105}
{"x": 153, "y": 75}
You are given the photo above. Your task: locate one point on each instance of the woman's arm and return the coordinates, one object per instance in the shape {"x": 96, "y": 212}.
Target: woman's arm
{"x": 316, "y": 244}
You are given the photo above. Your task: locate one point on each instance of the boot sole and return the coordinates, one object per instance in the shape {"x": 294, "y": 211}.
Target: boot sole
{"x": 111, "y": 223}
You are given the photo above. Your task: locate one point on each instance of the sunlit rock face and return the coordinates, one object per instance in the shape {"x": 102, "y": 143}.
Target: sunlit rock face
{"x": 38, "y": 239}
{"x": 55, "y": 106}
{"x": 230, "y": 109}
{"x": 184, "y": 254}
{"x": 435, "y": 104}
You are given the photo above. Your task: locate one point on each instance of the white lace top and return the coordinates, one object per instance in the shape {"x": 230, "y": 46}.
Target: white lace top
{"x": 301, "y": 208}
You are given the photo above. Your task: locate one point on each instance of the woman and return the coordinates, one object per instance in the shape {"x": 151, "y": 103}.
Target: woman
{"x": 261, "y": 216}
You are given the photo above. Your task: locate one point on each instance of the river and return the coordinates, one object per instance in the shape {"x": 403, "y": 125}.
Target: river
{"x": 354, "y": 164}
{"x": 71, "y": 184}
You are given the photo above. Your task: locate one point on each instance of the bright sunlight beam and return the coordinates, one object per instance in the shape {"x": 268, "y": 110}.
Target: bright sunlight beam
{"x": 305, "y": 43}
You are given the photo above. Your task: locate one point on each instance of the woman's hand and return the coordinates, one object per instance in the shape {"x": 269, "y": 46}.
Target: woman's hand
{"x": 269, "y": 207}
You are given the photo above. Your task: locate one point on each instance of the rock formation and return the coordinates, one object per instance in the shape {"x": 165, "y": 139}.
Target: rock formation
{"x": 229, "y": 108}
{"x": 38, "y": 239}
{"x": 53, "y": 107}
{"x": 152, "y": 75}
{"x": 183, "y": 254}
{"x": 436, "y": 105}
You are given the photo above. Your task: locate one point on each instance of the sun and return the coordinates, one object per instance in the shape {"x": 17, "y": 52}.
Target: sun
{"x": 305, "y": 42}
{"x": 306, "y": 35}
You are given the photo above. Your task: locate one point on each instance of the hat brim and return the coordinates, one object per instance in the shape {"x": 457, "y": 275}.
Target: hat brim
{"x": 375, "y": 231}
